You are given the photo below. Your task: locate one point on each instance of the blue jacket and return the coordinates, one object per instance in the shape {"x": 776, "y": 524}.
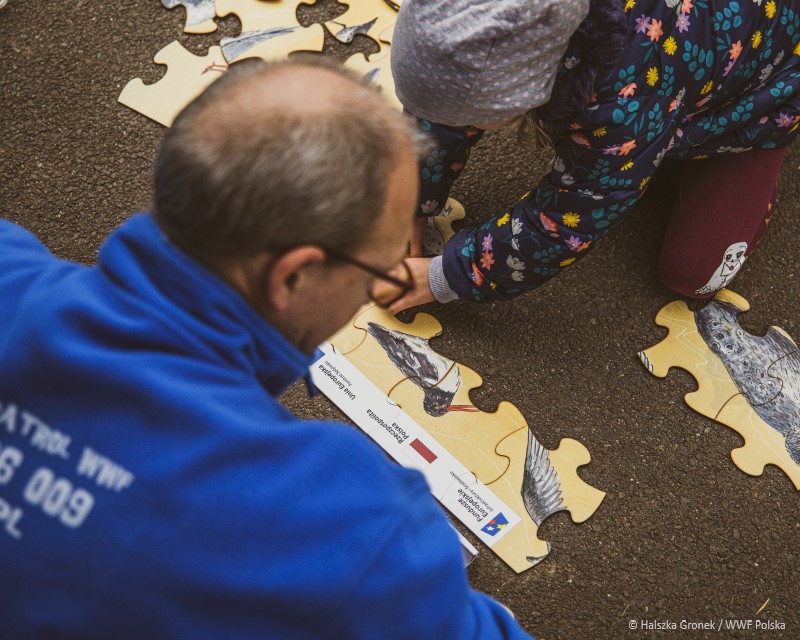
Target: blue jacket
{"x": 692, "y": 79}
{"x": 151, "y": 486}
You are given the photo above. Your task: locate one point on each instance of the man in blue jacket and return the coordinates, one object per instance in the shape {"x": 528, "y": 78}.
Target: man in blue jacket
{"x": 151, "y": 486}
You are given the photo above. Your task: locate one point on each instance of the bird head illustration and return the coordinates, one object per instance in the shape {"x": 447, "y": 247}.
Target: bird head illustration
{"x": 437, "y": 403}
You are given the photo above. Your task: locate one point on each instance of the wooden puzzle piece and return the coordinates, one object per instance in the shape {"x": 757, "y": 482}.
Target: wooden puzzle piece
{"x": 377, "y": 70}
{"x": 497, "y": 448}
{"x": 771, "y": 430}
{"x": 371, "y": 358}
{"x": 186, "y": 77}
{"x": 256, "y": 15}
{"x": 550, "y": 483}
{"x": 275, "y": 43}
{"x": 270, "y": 30}
{"x": 199, "y": 14}
{"x": 374, "y": 18}
{"x": 749, "y": 383}
{"x": 439, "y": 228}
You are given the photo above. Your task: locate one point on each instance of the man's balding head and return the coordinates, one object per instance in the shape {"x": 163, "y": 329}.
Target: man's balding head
{"x": 272, "y": 155}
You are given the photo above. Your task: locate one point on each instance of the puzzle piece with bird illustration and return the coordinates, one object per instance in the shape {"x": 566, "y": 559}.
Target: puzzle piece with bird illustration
{"x": 374, "y": 18}
{"x": 748, "y": 383}
{"x": 497, "y": 448}
{"x": 270, "y": 31}
{"x": 199, "y": 14}
{"x": 186, "y": 77}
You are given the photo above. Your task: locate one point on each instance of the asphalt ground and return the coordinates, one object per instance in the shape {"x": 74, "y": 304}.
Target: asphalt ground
{"x": 682, "y": 534}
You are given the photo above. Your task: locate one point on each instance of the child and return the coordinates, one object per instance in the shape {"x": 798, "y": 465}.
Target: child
{"x": 617, "y": 88}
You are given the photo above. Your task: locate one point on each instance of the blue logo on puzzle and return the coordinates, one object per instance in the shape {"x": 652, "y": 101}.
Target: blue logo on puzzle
{"x": 495, "y": 524}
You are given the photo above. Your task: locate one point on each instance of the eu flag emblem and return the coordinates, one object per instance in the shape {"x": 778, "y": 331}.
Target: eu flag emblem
{"x": 495, "y": 524}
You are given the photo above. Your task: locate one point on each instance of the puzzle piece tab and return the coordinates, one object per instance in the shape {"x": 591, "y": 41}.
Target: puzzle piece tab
{"x": 187, "y": 75}
{"x": 199, "y": 14}
{"x": 749, "y": 383}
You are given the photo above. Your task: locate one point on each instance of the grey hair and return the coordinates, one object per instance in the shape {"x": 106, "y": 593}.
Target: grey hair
{"x": 245, "y": 170}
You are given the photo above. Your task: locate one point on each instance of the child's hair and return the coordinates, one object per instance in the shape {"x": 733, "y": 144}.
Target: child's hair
{"x": 529, "y": 131}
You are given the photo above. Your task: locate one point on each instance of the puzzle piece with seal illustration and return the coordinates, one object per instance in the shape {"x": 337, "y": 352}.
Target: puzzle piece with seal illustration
{"x": 186, "y": 77}
{"x": 497, "y": 449}
{"x": 748, "y": 383}
{"x": 270, "y": 30}
{"x": 199, "y": 14}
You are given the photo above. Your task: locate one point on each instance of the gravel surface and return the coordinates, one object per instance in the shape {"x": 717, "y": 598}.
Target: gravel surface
{"x": 682, "y": 535}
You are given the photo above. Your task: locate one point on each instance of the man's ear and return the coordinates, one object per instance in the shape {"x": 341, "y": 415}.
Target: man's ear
{"x": 289, "y": 273}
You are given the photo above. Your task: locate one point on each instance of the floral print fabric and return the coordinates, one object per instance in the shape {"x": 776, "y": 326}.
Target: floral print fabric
{"x": 699, "y": 78}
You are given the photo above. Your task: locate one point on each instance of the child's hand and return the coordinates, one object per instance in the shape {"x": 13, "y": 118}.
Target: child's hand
{"x": 421, "y": 293}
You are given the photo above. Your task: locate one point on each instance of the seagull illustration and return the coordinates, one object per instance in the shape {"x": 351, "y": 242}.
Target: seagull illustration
{"x": 438, "y": 377}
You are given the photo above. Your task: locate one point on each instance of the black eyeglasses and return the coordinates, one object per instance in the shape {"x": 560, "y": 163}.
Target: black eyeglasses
{"x": 389, "y": 290}
{"x": 385, "y": 293}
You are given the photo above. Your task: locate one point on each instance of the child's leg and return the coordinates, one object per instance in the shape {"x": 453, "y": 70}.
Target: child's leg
{"x": 722, "y": 210}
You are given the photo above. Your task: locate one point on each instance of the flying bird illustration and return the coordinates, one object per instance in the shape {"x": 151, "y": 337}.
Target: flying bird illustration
{"x": 438, "y": 377}
{"x": 541, "y": 488}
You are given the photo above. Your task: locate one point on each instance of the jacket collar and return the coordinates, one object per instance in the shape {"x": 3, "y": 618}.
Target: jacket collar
{"x": 204, "y": 314}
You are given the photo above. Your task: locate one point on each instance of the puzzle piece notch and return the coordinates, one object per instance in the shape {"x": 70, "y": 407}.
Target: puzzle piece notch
{"x": 765, "y": 440}
{"x": 374, "y": 18}
{"x": 199, "y": 14}
{"x": 186, "y": 77}
{"x": 256, "y": 15}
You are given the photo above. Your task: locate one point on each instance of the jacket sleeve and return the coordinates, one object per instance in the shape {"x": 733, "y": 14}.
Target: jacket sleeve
{"x": 416, "y": 585}
{"x": 22, "y": 259}
{"x": 443, "y": 165}
{"x": 602, "y": 164}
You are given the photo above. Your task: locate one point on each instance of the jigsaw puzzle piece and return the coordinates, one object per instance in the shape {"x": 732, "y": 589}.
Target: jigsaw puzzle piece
{"x": 467, "y": 433}
{"x": 763, "y": 374}
{"x": 374, "y": 343}
{"x": 275, "y": 43}
{"x": 270, "y": 30}
{"x": 496, "y": 449}
{"x": 377, "y": 71}
{"x": 439, "y": 228}
{"x": 763, "y": 444}
{"x": 374, "y": 18}
{"x": 350, "y": 337}
{"x": 773, "y": 426}
{"x": 187, "y": 75}
{"x": 199, "y": 14}
{"x": 256, "y": 15}
{"x": 685, "y": 348}
{"x": 541, "y": 482}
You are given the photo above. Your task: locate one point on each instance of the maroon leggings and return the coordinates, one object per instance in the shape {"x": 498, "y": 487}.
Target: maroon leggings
{"x": 723, "y": 208}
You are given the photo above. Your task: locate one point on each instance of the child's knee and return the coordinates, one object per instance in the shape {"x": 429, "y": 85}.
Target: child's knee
{"x": 681, "y": 280}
